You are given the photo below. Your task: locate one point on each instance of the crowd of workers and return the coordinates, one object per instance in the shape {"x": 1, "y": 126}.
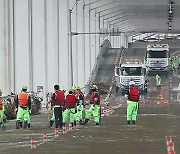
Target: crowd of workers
{"x": 64, "y": 107}
{"x": 70, "y": 107}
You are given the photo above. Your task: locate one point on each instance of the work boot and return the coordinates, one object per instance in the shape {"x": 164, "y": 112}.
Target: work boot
{"x": 133, "y": 122}
{"x": 17, "y": 125}
{"x": 25, "y": 125}
{"x": 20, "y": 124}
{"x": 128, "y": 122}
{"x": 51, "y": 123}
{"x": 86, "y": 121}
{"x": 97, "y": 123}
{"x": 29, "y": 125}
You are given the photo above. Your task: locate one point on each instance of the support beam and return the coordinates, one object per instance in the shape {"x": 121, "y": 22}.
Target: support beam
{"x": 105, "y": 5}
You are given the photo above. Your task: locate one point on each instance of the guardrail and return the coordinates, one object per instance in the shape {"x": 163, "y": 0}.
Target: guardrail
{"x": 103, "y": 48}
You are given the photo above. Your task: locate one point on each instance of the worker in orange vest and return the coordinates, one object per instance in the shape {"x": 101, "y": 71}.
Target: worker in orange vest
{"x": 23, "y": 107}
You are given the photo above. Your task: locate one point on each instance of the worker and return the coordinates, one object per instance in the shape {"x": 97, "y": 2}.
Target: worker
{"x": 173, "y": 63}
{"x": 23, "y": 108}
{"x": 70, "y": 108}
{"x": 80, "y": 105}
{"x": 158, "y": 80}
{"x": 1, "y": 109}
{"x": 59, "y": 100}
{"x": 94, "y": 106}
{"x": 132, "y": 103}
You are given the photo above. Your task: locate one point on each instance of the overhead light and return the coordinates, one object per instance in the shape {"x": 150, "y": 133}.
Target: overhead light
{"x": 169, "y": 28}
{"x": 170, "y": 11}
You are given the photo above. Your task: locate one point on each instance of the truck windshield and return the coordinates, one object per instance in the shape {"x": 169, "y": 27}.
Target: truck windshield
{"x": 132, "y": 71}
{"x": 157, "y": 54}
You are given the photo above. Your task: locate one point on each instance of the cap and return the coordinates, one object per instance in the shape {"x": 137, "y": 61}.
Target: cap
{"x": 94, "y": 86}
{"x": 24, "y": 87}
{"x": 131, "y": 83}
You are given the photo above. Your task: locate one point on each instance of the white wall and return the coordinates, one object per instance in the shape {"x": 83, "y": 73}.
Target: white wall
{"x": 50, "y": 50}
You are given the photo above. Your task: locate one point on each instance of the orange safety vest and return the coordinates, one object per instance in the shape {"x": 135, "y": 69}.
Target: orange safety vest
{"x": 1, "y": 105}
{"x": 23, "y": 99}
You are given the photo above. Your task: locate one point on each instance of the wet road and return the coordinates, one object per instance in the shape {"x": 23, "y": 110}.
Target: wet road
{"x": 159, "y": 117}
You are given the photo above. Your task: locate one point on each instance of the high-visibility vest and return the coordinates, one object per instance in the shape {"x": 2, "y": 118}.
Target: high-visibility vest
{"x": 70, "y": 101}
{"x": 23, "y": 99}
{"x": 59, "y": 98}
{"x": 1, "y": 104}
{"x": 133, "y": 94}
{"x": 92, "y": 101}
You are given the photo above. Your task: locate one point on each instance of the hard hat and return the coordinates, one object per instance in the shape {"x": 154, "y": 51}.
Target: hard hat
{"x": 73, "y": 87}
{"x": 94, "y": 86}
{"x": 24, "y": 87}
{"x": 131, "y": 83}
{"x": 78, "y": 88}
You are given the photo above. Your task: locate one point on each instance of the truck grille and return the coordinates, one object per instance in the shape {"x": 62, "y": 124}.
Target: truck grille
{"x": 126, "y": 81}
{"x": 157, "y": 63}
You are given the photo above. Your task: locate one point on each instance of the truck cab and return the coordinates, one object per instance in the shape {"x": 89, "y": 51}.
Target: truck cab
{"x": 157, "y": 58}
{"x": 131, "y": 71}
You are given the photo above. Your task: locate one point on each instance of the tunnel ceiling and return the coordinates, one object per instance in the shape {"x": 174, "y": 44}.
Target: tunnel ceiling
{"x": 141, "y": 15}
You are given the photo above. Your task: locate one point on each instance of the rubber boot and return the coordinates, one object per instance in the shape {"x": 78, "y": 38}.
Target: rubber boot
{"x": 128, "y": 122}
{"x": 20, "y": 124}
{"x": 133, "y": 122}
{"x": 86, "y": 121}
{"x": 25, "y": 125}
{"x": 51, "y": 123}
{"x": 29, "y": 125}
{"x": 17, "y": 124}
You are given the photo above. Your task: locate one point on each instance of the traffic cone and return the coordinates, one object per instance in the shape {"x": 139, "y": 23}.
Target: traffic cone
{"x": 44, "y": 136}
{"x": 168, "y": 140}
{"x": 64, "y": 129}
{"x": 70, "y": 126}
{"x": 171, "y": 152}
{"x": 33, "y": 143}
{"x": 56, "y": 132}
{"x": 170, "y": 147}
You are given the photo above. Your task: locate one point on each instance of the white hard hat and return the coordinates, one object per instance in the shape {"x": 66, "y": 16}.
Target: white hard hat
{"x": 131, "y": 83}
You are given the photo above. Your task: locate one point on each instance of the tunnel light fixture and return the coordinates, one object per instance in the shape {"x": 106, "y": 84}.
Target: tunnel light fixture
{"x": 170, "y": 17}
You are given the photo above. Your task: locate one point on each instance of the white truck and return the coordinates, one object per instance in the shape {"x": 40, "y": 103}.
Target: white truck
{"x": 157, "y": 58}
{"x": 131, "y": 71}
